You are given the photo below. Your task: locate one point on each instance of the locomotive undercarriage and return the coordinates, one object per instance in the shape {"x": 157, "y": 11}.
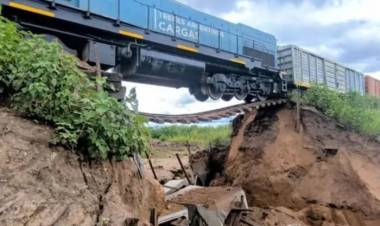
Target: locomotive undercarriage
{"x": 204, "y": 80}
{"x": 157, "y": 68}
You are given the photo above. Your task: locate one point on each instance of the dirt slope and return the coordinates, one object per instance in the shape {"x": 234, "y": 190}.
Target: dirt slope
{"x": 43, "y": 185}
{"x": 302, "y": 173}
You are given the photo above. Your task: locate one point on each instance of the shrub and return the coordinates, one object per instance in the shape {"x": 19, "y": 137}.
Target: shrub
{"x": 44, "y": 83}
{"x": 359, "y": 112}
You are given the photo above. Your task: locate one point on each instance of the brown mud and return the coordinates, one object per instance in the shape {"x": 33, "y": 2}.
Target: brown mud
{"x": 326, "y": 175}
{"x": 42, "y": 184}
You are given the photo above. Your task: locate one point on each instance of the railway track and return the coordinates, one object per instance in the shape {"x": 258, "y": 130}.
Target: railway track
{"x": 213, "y": 114}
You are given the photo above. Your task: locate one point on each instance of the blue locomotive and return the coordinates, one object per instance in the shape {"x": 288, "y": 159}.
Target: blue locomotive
{"x": 160, "y": 42}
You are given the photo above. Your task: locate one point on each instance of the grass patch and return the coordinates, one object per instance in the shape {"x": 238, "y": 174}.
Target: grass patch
{"x": 192, "y": 134}
{"x": 361, "y": 113}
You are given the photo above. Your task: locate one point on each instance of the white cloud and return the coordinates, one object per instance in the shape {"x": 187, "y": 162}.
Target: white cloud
{"x": 367, "y": 10}
{"x": 375, "y": 74}
{"x": 162, "y": 100}
{"x": 347, "y": 31}
{"x": 259, "y": 13}
{"x": 262, "y": 15}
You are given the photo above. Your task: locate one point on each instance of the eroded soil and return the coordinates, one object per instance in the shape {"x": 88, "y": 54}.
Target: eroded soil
{"x": 45, "y": 185}
{"x": 325, "y": 175}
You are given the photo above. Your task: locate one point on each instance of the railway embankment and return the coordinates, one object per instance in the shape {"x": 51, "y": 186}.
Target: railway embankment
{"x": 323, "y": 174}
{"x": 42, "y": 184}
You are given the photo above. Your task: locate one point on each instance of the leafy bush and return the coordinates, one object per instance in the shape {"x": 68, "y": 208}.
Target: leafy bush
{"x": 193, "y": 134}
{"x": 360, "y": 112}
{"x": 44, "y": 83}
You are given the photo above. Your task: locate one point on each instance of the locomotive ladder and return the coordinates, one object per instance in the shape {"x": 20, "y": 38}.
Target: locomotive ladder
{"x": 213, "y": 114}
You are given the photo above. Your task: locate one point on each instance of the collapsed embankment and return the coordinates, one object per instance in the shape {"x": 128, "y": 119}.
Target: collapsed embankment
{"x": 47, "y": 185}
{"x": 325, "y": 175}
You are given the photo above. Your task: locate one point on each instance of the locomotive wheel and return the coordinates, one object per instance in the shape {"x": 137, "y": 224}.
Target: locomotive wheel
{"x": 241, "y": 94}
{"x": 261, "y": 97}
{"x": 265, "y": 91}
{"x": 216, "y": 86}
{"x": 215, "y": 91}
{"x": 227, "y": 97}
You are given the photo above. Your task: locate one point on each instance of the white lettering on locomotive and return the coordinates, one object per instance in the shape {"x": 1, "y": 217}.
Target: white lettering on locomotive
{"x": 184, "y": 28}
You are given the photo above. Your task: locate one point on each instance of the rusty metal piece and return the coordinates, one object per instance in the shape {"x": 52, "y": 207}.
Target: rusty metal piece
{"x": 183, "y": 168}
{"x": 151, "y": 166}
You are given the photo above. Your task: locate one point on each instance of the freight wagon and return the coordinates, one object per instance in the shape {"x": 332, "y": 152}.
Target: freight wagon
{"x": 303, "y": 68}
{"x": 372, "y": 86}
{"x": 160, "y": 42}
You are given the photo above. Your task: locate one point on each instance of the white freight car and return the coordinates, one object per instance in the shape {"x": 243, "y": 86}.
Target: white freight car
{"x": 304, "y": 68}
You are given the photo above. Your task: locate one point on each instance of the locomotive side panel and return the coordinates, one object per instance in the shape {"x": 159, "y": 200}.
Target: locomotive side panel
{"x": 183, "y": 22}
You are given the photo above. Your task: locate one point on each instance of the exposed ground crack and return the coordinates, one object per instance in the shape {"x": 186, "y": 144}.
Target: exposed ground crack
{"x": 81, "y": 170}
{"x": 99, "y": 212}
{"x": 99, "y": 222}
{"x": 38, "y": 210}
{"x": 61, "y": 215}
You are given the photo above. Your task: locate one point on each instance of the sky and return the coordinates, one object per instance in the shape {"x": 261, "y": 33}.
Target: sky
{"x": 347, "y": 31}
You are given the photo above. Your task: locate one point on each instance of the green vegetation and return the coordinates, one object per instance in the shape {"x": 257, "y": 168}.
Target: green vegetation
{"x": 362, "y": 113}
{"x": 42, "y": 82}
{"x": 192, "y": 134}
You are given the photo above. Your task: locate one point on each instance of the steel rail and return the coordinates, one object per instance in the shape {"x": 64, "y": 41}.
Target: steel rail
{"x": 212, "y": 115}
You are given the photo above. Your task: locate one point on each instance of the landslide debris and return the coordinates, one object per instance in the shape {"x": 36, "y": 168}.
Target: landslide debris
{"x": 48, "y": 185}
{"x": 324, "y": 176}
